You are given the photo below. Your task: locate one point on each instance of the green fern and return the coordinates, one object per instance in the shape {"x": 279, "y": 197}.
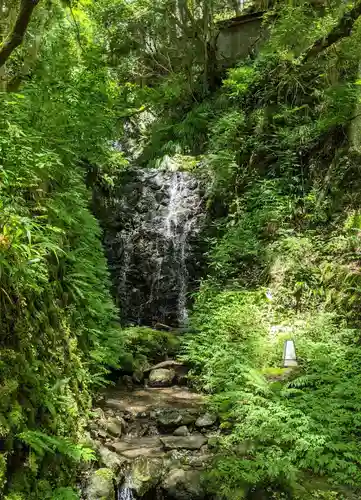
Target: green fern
{"x": 42, "y": 443}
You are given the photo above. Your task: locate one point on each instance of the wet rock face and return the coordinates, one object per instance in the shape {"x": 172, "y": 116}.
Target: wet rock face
{"x": 152, "y": 233}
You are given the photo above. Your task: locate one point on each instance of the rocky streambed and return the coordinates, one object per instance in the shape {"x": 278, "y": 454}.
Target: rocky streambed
{"x": 153, "y": 441}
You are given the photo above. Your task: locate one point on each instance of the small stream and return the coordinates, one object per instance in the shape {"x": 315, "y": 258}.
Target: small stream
{"x": 152, "y": 228}
{"x": 125, "y": 493}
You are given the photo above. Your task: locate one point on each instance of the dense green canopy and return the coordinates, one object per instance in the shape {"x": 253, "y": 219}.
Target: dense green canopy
{"x": 275, "y": 135}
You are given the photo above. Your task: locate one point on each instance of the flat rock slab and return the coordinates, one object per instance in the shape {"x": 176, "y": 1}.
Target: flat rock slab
{"x": 136, "y": 443}
{"x": 144, "y": 400}
{"x": 143, "y": 452}
{"x": 193, "y": 442}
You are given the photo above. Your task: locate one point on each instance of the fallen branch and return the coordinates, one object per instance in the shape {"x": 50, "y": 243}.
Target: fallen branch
{"x": 341, "y": 30}
{"x": 17, "y": 34}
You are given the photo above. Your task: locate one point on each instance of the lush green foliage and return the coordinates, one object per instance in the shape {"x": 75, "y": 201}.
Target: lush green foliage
{"x": 57, "y": 320}
{"x": 281, "y": 148}
{"x": 278, "y": 144}
{"x": 144, "y": 346}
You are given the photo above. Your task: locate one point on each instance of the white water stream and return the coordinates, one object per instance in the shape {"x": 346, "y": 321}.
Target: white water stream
{"x": 179, "y": 223}
{"x": 157, "y": 245}
{"x": 125, "y": 493}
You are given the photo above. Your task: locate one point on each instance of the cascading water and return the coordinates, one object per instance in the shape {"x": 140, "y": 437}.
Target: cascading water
{"x": 151, "y": 241}
{"x": 125, "y": 492}
{"x": 180, "y": 221}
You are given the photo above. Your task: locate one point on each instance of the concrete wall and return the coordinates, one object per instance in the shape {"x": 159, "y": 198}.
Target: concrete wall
{"x": 238, "y": 37}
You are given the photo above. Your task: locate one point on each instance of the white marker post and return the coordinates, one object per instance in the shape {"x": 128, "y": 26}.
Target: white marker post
{"x": 289, "y": 354}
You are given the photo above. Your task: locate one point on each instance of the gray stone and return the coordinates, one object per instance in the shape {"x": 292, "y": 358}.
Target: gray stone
{"x": 193, "y": 442}
{"x": 136, "y": 443}
{"x": 181, "y": 431}
{"x": 100, "y": 485}
{"x": 172, "y": 418}
{"x": 114, "y": 427}
{"x": 162, "y": 377}
{"x": 169, "y": 418}
{"x": 144, "y": 475}
{"x": 206, "y": 420}
{"x": 180, "y": 484}
{"x": 109, "y": 459}
{"x": 169, "y": 363}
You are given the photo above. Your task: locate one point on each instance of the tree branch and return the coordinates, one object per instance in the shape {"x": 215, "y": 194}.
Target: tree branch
{"x": 16, "y": 36}
{"x": 341, "y": 30}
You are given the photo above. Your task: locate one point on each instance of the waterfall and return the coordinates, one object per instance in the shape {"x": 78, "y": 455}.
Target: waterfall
{"x": 125, "y": 493}
{"x": 179, "y": 222}
{"x": 156, "y": 220}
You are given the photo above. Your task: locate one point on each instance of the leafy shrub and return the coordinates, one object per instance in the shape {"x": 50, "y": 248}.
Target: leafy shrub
{"x": 145, "y": 346}
{"x": 57, "y": 319}
{"x": 230, "y": 336}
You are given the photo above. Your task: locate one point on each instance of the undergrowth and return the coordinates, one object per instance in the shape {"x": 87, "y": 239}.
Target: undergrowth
{"x": 282, "y": 160}
{"x": 59, "y": 331}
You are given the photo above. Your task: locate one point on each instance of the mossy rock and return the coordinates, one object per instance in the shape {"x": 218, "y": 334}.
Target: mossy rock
{"x": 145, "y": 475}
{"x": 101, "y": 485}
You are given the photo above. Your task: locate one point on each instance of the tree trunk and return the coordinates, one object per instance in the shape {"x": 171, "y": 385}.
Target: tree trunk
{"x": 341, "y": 30}
{"x": 17, "y": 34}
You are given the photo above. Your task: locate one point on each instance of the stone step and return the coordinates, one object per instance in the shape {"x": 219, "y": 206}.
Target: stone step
{"x": 132, "y": 443}
{"x": 144, "y": 400}
{"x": 155, "y": 446}
{"x": 193, "y": 442}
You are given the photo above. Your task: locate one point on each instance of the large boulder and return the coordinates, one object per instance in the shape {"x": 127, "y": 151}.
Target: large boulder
{"x": 115, "y": 426}
{"x": 144, "y": 475}
{"x": 180, "y": 484}
{"x": 168, "y": 417}
{"x": 161, "y": 377}
{"x": 180, "y": 369}
{"x": 100, "y": 485}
